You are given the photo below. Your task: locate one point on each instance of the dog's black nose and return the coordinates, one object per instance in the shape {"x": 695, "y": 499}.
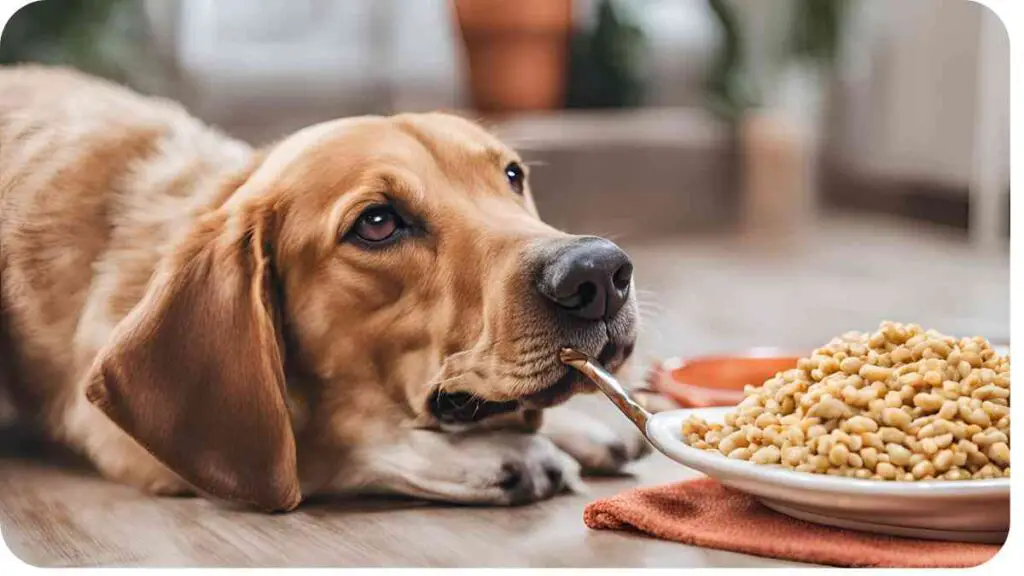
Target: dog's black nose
{"x": 590, "y": 279}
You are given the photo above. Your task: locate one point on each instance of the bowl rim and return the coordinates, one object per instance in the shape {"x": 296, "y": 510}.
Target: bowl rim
{"x": 753, "y": 353}
{"x": 659, "y": 378}
{"x": 663, "y": 432}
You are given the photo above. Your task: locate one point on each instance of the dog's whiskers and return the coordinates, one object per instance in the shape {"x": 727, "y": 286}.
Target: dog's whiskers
{"x": 651, "y": 306}
{"x": 443, "y": 383}
{"x": 613, "y": 236}
{"x": 647, "y": 300}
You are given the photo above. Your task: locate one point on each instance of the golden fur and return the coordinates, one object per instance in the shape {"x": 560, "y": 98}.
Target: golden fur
{"x": 186, "y": 311}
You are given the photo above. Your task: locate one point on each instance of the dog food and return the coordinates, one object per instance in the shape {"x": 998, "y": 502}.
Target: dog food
{"x": 901, "y": 403}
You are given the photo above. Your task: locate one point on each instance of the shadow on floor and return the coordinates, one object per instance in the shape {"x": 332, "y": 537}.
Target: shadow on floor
{"x": 26, "y": 444}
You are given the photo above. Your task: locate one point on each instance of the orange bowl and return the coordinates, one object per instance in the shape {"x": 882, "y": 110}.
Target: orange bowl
{"x": 717, "y": 380}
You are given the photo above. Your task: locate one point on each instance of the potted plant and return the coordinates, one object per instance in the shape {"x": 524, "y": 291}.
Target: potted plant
{"x": 729, "y": 90}
{"x": 777, "y": 133}
{"x": 517, "y": 52}
{"x": 109, "y": 38}
{"x": 606, "y": 61}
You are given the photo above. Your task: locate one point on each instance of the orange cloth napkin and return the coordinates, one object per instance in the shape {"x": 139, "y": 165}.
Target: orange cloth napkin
{"x": 704, "y": 513}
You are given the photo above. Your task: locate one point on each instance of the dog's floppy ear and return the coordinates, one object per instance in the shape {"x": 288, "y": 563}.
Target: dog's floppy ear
{"x": 194, "y": 373}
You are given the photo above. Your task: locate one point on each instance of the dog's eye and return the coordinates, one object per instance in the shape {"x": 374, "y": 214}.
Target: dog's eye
{"x": 514, "y": 173}
{"x": 377, "y": 224}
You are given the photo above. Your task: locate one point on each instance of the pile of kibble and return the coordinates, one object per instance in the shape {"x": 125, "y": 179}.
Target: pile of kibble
{"x": 901, "y": 403}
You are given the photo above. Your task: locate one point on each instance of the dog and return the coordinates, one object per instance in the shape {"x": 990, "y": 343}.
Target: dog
{"x": 369, "y": 305}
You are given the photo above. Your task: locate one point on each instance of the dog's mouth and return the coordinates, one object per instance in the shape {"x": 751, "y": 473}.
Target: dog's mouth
{"x": 460, "y": 407}
{"x": 466, "y": 408}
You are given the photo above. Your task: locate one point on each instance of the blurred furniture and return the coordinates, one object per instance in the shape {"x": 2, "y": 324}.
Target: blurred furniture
{"x": 629, "y": 173}
{"x": 921, "y": 119}
{"x": 990, "y": 175}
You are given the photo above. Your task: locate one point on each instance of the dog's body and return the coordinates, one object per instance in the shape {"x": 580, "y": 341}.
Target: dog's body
{"x": 194, "y": 314}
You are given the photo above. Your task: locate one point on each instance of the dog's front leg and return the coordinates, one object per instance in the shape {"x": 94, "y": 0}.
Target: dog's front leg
{"x": 480, "y": 467}
{"x": 593, "y": 432}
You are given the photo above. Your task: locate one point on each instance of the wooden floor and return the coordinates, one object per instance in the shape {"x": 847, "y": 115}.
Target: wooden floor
{"x": 699, "y": 295}
{"x": 57, "y": 517}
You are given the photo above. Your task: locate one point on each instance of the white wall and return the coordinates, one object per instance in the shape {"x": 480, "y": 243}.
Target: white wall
{"x": 683, "y": 38}
{"x": 270, "y": 66}
{"x": 909, "y": 81}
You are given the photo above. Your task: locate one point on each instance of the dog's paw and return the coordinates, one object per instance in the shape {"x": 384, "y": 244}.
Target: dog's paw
{"x": 494, "y": 468}
{"x": 599, "y": 448}
{"x": 530, "y": 468}
{"x": 537, "y": 474}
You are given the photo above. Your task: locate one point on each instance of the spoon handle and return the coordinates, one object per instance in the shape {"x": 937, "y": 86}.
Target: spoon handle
{"x": 608, "y": 384}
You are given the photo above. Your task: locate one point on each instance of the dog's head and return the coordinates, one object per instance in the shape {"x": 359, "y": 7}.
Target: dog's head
{"x": 386, "y": 272}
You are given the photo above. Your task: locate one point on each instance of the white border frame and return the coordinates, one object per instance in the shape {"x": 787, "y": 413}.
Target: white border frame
{"x": 1011, "y": 12}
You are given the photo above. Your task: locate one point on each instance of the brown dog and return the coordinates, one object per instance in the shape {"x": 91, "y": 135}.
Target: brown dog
{"x": 337, "y": 312}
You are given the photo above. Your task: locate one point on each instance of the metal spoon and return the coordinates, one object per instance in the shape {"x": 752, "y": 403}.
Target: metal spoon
{"x": 608, "y": 385}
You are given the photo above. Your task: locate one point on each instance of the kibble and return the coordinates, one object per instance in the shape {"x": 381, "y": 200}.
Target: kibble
{"x": 901, "y": 404}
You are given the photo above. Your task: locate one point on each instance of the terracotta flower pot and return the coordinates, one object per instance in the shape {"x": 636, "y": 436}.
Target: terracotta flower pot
{"x": 517, "y": 52}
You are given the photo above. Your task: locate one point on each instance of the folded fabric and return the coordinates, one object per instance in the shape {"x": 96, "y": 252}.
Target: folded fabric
{"x": 704, "y": 513}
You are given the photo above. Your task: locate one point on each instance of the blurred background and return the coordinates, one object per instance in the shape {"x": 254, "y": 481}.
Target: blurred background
{"x": 780, "y": 171}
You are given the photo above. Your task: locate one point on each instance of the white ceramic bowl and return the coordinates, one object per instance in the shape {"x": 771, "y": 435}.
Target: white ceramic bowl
{"x": 965, "y": 510}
